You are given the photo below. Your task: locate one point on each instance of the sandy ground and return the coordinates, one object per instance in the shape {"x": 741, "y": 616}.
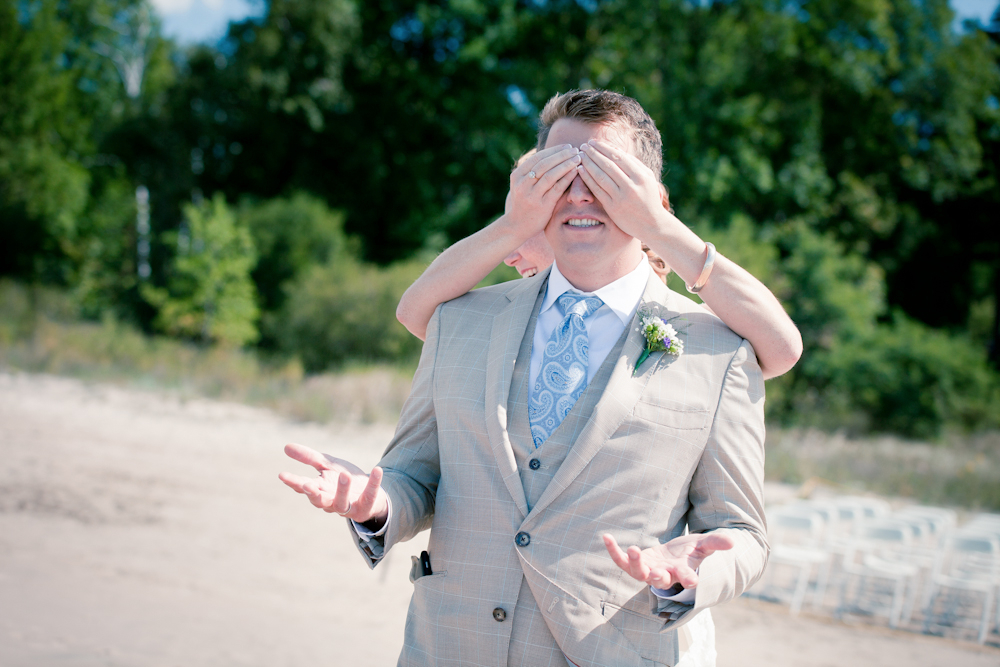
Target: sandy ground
{"x": 142, "y": 530}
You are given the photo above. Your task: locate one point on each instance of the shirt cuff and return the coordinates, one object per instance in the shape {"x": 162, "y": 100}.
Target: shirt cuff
{"x": 675, "y": 593}
{"x": 368, "y": 535}
{"x": 684, "y": 596}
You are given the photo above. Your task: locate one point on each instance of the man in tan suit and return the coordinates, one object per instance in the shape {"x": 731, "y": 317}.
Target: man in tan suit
{"x": 533, "y": 439}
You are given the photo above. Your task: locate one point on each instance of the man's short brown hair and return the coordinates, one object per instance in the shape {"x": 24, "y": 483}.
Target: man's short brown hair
{"x": 601, "y": 107}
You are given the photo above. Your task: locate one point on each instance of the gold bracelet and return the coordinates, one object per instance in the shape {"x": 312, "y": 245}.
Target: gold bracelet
{"x": 706, "y": 270}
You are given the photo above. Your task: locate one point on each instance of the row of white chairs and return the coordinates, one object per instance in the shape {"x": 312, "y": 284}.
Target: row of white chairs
{"x": 887, "y": 562}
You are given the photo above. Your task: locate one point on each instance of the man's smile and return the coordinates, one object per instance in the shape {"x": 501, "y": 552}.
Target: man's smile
{"x": 583, "y": 222}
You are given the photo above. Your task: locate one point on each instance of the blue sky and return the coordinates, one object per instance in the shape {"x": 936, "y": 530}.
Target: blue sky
{"x": 190, "y": 21}
{"x": 975, "y": 9}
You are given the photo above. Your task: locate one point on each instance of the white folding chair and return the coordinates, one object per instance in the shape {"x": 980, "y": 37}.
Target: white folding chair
{"x": 796, "y": 534}
{"x": 941, "y": 520}
{"x": 926, "y": 549}
{"x": 984, "y": 523}
{"x": 871, "y": 508}
{"x": 879, "y": 560}
{"x": 970, "y": 572}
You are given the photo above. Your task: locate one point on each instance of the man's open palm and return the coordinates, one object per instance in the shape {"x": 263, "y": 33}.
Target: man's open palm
{"x": 667, "y": 564}
{"x": 341, "y": 488}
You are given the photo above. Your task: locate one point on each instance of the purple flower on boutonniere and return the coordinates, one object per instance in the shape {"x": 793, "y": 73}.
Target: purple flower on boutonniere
{"x": 660, "y": 337}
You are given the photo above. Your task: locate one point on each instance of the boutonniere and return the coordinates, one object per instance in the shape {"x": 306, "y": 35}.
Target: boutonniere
{"x": 660, "y": 336}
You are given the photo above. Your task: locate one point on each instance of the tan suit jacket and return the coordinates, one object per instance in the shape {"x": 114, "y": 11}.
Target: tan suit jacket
{"x": 679, "y": 443}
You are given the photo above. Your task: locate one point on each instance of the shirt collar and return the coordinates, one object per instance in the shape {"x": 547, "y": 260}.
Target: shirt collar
{"x": 622, "y": 296}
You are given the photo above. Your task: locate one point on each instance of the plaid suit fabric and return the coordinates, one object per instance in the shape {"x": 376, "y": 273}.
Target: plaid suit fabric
{"x": 679, "y": 442}
{"x": 531, "y": 642}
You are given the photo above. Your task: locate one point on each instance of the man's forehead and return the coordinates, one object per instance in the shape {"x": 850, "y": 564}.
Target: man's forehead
{"x": 577, "y": 132}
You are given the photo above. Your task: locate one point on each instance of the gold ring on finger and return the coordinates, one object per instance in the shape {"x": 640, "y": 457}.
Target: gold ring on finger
{"x": 532, "y": 174}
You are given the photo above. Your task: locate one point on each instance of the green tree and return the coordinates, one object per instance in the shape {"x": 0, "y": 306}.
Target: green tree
{"x": 65, "y": 209}
{"x": 209, "y": 295}
{"x": 42, "y": 187}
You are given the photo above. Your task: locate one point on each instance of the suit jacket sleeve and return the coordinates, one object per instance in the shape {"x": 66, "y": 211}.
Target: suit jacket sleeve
{"x": 410, "y": 462}
{"x": 726, "y": 492}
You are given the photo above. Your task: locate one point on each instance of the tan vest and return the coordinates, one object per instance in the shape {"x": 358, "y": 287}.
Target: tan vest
{"x": 531, "y": 643}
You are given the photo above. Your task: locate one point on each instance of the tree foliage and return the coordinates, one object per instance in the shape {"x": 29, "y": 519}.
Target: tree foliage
{"x": 845, "y": 151}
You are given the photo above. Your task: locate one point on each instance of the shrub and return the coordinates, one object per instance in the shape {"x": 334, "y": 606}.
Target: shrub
{"x": 291, "y": 234}
{"x": 209, "y": 294}
{"x": 914, "y": 380}
{"x": 346, "y": 310}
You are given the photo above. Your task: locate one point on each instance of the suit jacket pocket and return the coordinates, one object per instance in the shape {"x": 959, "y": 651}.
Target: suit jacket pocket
{"x": 682, "y": 420}
{"x": 431, "y": 579}
{"x": 645, "y": 632}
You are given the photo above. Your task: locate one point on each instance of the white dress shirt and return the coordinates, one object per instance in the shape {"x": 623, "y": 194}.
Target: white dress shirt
{"x": 621, "y": 300}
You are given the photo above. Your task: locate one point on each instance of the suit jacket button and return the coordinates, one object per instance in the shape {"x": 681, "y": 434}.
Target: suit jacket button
{"x": 522, "y": 539}
{"x": 534, "y": 464}
{"x": 499, "y": 615}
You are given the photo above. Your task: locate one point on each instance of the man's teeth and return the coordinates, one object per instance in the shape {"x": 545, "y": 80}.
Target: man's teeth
{"x": 581, "y": 222}
{"x": 529, "y": 273}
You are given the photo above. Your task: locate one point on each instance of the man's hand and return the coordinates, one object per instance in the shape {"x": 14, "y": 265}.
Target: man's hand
{"x": 667, "y": 564}
{"x": 341, "y": 488}
{"x": 626, "y": 188}
{"x": 537, "y": 184}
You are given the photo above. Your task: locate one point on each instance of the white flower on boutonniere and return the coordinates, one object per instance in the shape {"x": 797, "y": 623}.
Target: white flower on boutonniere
{"x": 660, "y": 336}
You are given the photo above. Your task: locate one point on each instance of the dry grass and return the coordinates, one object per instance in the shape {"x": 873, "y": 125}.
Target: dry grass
{"x": 39, "y": 334}
{"x": 962, "y": 471}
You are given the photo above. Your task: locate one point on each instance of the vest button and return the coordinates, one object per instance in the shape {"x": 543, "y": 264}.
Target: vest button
{"x": 534, "y": 464}
{"x": 522, "y": 539}
{"x": 499, "y": 615}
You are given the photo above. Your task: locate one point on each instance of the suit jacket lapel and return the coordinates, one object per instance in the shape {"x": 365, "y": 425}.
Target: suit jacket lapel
{"x": 618, "y": 399}
{"x": 505, "y": 341}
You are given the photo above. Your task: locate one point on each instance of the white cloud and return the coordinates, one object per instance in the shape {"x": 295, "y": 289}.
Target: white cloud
{"x": 166, "y": 7}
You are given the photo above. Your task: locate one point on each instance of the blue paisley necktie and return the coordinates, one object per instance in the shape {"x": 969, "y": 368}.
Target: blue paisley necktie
{"x": 563, "y": 375}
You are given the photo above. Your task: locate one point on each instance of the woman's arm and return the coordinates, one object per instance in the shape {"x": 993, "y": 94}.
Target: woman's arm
{"x": 536, "y": 184}
{"x": 456, "y": 271}
{"x": 737, "y": 298}
{"x": 632, "y": 194}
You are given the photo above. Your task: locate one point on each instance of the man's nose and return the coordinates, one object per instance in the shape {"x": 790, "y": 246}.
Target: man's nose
{"x": 579, "y": 193}
{"x": 512, "y": 258}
